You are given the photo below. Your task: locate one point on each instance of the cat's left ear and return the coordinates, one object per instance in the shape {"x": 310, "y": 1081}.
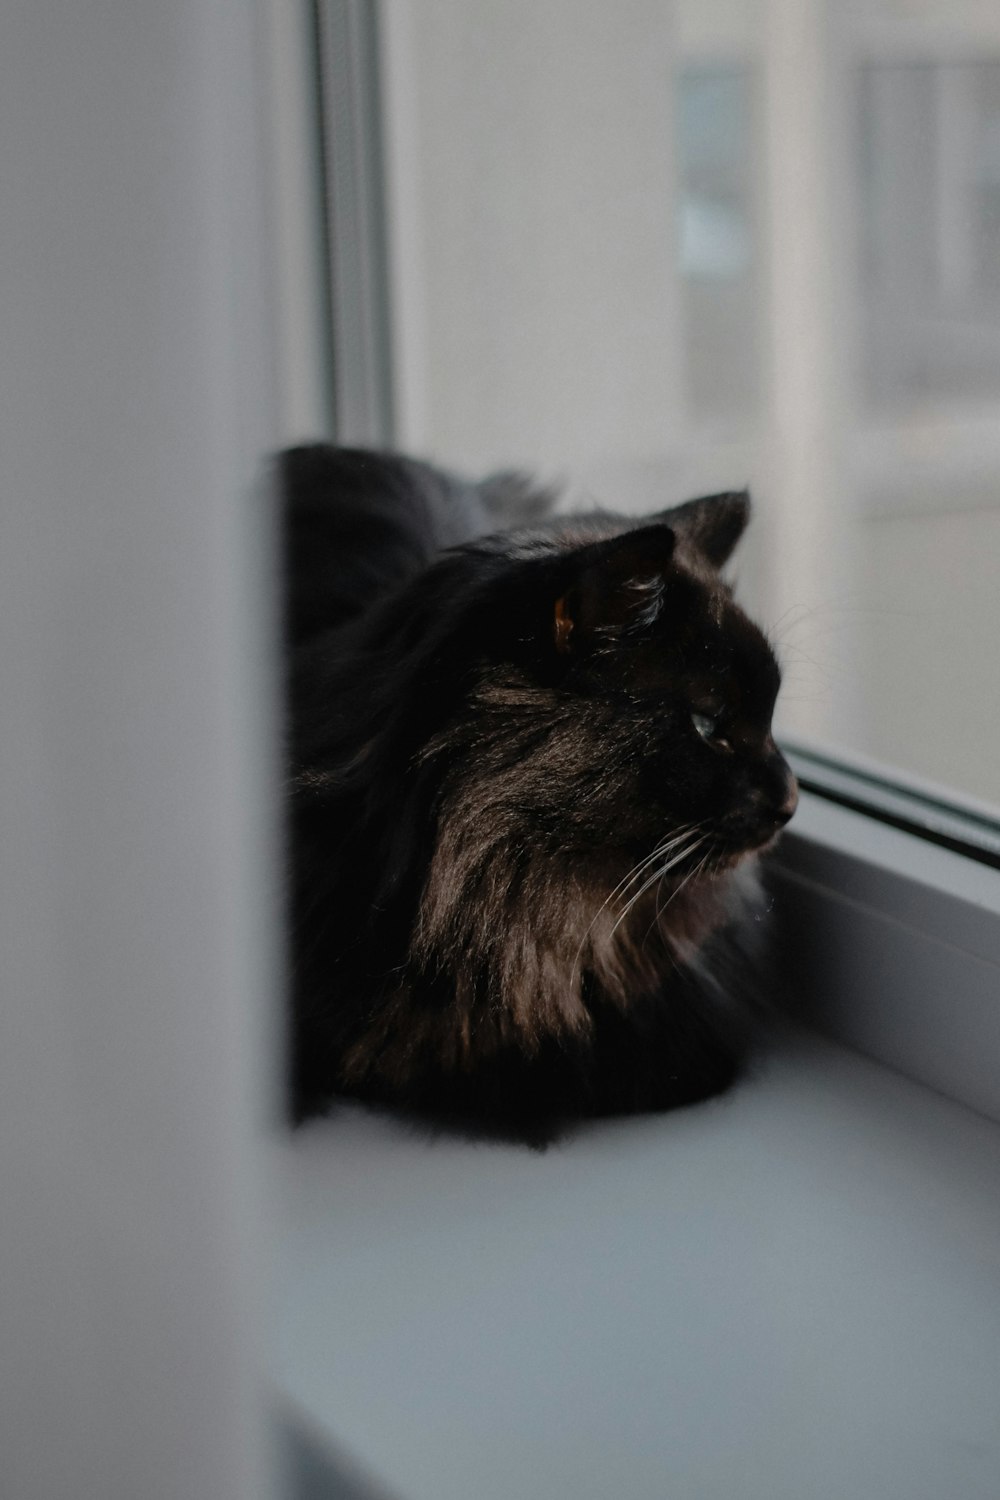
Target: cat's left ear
{"x": 712, "y": 524}
{"x": 610, "y": 583}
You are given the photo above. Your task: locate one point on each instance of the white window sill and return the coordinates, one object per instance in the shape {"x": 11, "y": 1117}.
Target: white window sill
{"x": 792, "y": 1293}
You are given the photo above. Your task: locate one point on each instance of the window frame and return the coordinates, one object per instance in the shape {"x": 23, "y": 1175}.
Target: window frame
{"x": 352, "y": 173}
{"x": 890, "y": 943}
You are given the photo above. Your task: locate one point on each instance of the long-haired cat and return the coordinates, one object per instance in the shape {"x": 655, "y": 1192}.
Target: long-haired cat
{"x": 529, "y": 770}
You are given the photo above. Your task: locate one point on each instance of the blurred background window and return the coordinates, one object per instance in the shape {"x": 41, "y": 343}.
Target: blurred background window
{"x": 716, "y": 247}
{"x": 670, "y": 246}
{"x": 929, "y": 197}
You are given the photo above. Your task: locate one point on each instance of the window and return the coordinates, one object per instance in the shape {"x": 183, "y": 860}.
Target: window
{"x": 664, "y": 248}
{"x": 716, "y": 242}
{"x": 928, "y": 174}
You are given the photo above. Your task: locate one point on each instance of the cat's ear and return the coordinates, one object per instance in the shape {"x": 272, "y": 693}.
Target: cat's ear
{"x": 712, "y": 524}
{"x": 611, "y": 583}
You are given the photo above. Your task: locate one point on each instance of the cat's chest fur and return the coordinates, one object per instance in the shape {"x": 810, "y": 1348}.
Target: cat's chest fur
{"x": 519, "y": 962}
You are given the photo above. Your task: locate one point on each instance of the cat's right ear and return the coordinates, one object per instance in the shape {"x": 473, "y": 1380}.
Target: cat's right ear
{"x": 612, "y": 584}
{"x": 712, "y": 524}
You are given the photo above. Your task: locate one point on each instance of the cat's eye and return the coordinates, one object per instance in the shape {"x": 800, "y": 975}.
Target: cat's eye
{"x": 707, "y": 726}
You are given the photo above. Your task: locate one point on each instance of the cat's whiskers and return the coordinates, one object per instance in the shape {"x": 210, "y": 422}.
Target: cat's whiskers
{"x": 667, "y": 844}
{"x": 664, "y": 847}
{"x": 660, "y": 909}
{"x": 658, "y": 876}
{"x": 705, "y": 863}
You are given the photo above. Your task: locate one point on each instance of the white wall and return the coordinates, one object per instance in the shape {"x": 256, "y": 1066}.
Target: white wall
{"x": 135, "y": 402}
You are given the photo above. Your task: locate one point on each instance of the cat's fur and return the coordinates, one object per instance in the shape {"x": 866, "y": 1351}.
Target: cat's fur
{"x": 491, "y": 735}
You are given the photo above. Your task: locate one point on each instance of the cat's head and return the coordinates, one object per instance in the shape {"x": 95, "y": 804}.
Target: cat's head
{"x": 649, "y": 695}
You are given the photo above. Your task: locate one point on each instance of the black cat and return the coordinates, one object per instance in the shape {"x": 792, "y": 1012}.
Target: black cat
{"x": 527, "y": 771}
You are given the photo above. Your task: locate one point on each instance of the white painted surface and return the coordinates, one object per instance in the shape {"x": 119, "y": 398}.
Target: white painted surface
{"x": 789, "y": 1294}
{"x": 135, "y": 402}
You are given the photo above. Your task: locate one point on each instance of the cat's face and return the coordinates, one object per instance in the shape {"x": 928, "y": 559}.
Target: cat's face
{"x": 676, "y": 688}
{"x": 701, "y": 683}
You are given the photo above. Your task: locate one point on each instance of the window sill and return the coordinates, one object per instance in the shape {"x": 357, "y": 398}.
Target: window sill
{"x": 791, "y": 1293}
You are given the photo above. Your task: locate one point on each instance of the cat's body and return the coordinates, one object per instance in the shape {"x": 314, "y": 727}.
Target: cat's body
{"x": 526, "y": 774}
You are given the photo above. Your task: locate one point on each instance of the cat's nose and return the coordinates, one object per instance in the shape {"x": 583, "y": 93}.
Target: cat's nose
{"x": 783, "y": 813}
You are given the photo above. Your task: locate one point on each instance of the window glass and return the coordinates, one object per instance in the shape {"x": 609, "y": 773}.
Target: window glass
{"x": 669, "y": 246}
{"x": 928, "y": 170}
{"x": 715, "y": 238}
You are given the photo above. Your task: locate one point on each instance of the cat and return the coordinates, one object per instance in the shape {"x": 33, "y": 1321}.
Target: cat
{"x": 529, "y": 773}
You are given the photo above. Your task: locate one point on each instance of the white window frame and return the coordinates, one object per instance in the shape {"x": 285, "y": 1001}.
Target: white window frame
{"x": 350, "y": 128}
{"x": 891, "y": 944}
